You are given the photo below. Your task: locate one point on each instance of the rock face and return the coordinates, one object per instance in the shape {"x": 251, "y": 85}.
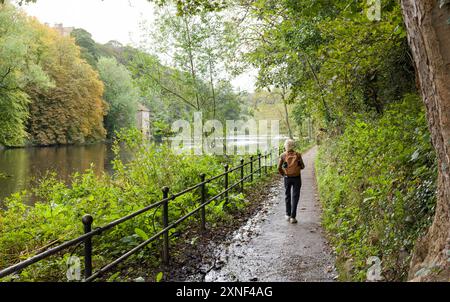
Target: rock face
{"x": 429, "y": 38}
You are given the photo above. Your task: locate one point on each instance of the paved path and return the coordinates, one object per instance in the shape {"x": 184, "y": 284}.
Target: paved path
{"x": 268, "y": 248}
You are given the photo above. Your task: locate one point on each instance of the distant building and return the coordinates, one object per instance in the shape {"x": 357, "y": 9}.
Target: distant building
{"x": 63, "y": 31}
{"x": 143, "y": 120}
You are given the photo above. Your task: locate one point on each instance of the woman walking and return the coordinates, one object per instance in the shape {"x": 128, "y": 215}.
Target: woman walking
{"x": 289, "y": 166}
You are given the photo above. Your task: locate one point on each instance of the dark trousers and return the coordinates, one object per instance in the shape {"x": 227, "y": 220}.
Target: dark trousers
{"x": 294, "y": 184}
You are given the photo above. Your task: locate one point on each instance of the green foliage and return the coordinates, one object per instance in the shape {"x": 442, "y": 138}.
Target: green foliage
{"x": 349, "y": 78}
{"x": 161, "y": 88}
{"x": 160, "y": 129}
{"x": 92, "y": 51}
{"x": 332, "y": 58}
{"x": 88, "y": 47}
{"x": 377, "y": 183}
{"x": 48, "y": 94}
{"x": 19, "y": 67}
{"x": 120, "y": 94}
{"x": 355, "y": 78}
{"x": 202, "y": 49}
{"x": 159, "y": 276}
{"x": 171, "y": 93}
{"x": 193, "y": 7}
{"x": 72, "y": 111}
{"x": 58, "y": 209}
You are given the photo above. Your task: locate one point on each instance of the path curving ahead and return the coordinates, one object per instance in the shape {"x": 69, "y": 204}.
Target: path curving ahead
{"x": 268, "y": 248}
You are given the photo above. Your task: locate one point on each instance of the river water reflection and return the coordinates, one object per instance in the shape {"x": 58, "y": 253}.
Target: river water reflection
{"x": 21, "y": 168}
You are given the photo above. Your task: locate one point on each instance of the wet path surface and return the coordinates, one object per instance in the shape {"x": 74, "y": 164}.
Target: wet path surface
{"x": 268, "y": 248}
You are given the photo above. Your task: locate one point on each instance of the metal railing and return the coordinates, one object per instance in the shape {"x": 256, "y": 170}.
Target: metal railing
{"x": 88, "y": 220}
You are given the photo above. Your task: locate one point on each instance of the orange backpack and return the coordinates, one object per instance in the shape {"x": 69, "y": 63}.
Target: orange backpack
{"x": 291, "y": 164}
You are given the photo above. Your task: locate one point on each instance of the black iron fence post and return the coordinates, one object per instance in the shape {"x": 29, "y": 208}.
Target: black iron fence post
{"x": 271, "y": 162}
{"x": 226, "y": 183}
{"x": 87, "y": 223}
{"x": 165, "y": 251}
{"x": 203, "y": 200}
{"x": 259, "y": 164}
{"x": 242, "y": 175}
{"x": 265, "y": 163}
{"x": 251, "y": 168}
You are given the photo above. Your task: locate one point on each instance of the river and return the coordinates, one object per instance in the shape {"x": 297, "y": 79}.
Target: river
{"x": 21, "y": 168}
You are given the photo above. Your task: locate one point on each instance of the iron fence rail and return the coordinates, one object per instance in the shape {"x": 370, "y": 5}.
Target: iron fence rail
{"x": 87, "y": 220}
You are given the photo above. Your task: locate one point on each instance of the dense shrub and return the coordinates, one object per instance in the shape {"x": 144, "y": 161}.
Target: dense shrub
{"x": 377, "y": 183}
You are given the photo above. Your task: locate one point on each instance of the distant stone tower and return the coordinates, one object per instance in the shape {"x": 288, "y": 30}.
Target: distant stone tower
{"x": 143, "y": 120}
{"x": 63, "y": 31}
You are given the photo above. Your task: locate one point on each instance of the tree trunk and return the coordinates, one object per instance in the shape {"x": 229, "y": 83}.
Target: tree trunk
{"x": 191, "y": 62}
{"x": 429, "y": 38}
{"x": 286, "y": 113}
{"x": 319, "y": 84}
{"x": 213, "y": 90}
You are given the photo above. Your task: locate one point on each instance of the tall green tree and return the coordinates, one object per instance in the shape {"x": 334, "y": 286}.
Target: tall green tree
{"x": 335, "y": 59}
{"x": 120, "y": 94}
{"x": 201, "y": 47}
{"x": 88, "y": 47}
{"x": 19, "y": 67}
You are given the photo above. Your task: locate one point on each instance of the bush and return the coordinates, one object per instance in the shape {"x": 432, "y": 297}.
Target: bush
{"x": 377, "y": 183}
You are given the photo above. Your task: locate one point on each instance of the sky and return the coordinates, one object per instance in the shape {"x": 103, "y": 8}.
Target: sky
{"x": 109, "y": 20}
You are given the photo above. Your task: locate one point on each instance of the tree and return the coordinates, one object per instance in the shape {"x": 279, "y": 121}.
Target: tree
{"x": 163, "y": 89}
{"x": 71, "y": 112}
{"x": 277, "y": 77}
{"x": 165, "y": 92}
{"x": 88, "y": 47}
{"x": 330, "y": 53}
{"x": 201, "y": 47}
{"x": 429, "y": 38}
{"x": 120, "y": 94}
{"x": 19, "y": 67}
{"x": 192, "y": 7}
{"x": 229, "y": 104}
{"x": 92, "y": 51}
